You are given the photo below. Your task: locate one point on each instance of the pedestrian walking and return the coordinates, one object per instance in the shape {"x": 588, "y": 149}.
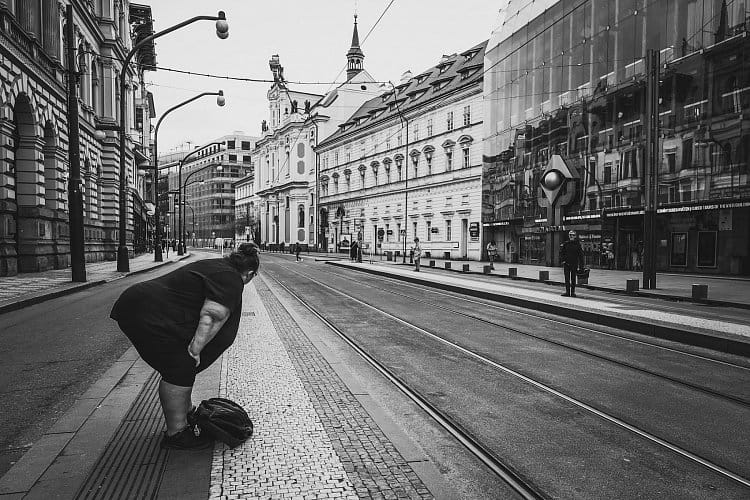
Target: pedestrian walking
{"x": 180, "y": 323}
{"x": 417, "y": 253}
{"x": 353, "y": 249}
{"x": 297, "y": 250}
{"x": 281, "y": 247}
{"x": 571, "y": 257}
{"x": 492, "y": 253}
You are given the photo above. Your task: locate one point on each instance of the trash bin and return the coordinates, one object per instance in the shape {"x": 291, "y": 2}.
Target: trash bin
{"x": 389, "y": 255}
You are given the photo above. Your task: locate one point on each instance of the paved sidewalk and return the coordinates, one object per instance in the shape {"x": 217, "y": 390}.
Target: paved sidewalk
{"x": 729, "y": 290}
{"x": 31, "y": 288}
{"x": 314, "y": 437}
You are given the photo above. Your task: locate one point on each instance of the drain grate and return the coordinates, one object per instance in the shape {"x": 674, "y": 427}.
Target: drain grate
{"x": 246, "y": 314}
{"x": 132, "y": 464}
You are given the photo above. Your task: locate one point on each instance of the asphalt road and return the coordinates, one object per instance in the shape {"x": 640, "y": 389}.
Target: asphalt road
{"x": 466, "y": 358}
{"x": 52, "y": 352}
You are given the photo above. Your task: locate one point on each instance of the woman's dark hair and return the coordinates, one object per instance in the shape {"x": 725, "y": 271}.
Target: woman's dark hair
{"x": 245, "y": 258}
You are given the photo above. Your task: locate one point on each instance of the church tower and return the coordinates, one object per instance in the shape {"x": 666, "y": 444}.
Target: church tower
{"x": 355, "y": 56}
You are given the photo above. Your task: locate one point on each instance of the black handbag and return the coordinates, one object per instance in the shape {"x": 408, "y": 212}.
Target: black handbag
{"x": 223, "y": 420}
{"x": 583, "y": 273}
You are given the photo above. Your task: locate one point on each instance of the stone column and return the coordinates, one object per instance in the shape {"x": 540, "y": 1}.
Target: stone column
{"x": 8, "y": 257}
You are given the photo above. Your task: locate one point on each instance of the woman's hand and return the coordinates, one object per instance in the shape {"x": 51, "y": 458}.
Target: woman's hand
{"x": 196, "y": 357}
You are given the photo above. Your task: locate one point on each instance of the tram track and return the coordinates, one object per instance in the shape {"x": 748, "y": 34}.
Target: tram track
{"x": 539, "y": 317}
{"x": 446, "y": 420}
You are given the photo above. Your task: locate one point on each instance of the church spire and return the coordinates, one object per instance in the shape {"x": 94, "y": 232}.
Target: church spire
{"x": 355, "y": 56}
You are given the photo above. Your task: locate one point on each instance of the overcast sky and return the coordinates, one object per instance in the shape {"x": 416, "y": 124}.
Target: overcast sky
{"x": 311, "y": 37}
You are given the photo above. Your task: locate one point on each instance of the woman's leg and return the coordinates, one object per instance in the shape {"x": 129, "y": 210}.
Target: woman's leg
{"x": 176, "y": 402}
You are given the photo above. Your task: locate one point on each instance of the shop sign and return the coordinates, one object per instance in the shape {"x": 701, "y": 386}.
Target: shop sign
{"x": 705, "y": 206}
{"x": 625, "y": 213}
{"x": 545, "y": 229}
{"x": 474, "y": 230}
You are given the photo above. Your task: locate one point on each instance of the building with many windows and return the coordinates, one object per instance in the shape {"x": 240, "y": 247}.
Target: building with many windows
{"x": 208, "y": 179}
{"x": 569, "y": 79}
{"x": 246, "y": 222}
{"x": 408, "y": 164}
{"x": 286, "y": 164}
{"x": 34, "y": 169}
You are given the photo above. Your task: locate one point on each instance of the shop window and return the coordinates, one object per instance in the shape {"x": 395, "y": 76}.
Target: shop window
{"x": 678, "y": 250}
{"x": 706, "y": 248}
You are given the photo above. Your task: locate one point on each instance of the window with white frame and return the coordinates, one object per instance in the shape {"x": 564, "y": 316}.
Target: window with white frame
{"x": 449, "y": 121}
{"x": 447, "y": 230}
{"x": 467, "y": 156}
{"x": 429, "y": 230}
{"x": 415, "y": 231}
{"x": 467, "y": 115}
{"x": 448, "y": 160}
{"x": 336, "y": 158}
{"x": 362, "y": 178}
{"x": 429, "y": 127}
{"x": 415, "y": 163}
{"x": 416, "y": 131}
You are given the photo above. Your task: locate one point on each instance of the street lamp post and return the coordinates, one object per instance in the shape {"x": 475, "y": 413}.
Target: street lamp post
{"x": 222, "y": 31}
{"x": 404, "y": 124}
{"x": 219, "y": 101}
{"x": 180, "y": 186}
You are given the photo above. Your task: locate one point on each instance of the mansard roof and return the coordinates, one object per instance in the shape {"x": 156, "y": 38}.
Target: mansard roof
{"x": 442, "y": 79}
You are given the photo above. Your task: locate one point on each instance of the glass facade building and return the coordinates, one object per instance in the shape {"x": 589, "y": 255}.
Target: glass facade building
{"x": 569, "y": 78}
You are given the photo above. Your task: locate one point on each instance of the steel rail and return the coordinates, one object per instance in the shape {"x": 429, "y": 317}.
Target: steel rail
{"x": 507, "y": 474}
{"x": 711, "y": 392}
{"x": 605, "y": 416}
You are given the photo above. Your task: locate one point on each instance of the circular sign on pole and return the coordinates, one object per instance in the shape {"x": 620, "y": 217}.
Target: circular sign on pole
{"x": 381, "y": 233}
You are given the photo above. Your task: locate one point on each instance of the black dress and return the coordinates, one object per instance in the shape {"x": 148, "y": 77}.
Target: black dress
{"x": 160, "y": 316}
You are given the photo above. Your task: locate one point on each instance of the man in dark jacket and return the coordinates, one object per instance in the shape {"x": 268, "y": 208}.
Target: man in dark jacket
{"x": 571, "y": 257}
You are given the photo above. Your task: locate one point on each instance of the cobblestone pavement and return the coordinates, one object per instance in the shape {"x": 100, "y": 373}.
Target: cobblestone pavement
{"x": 312, "y": 437}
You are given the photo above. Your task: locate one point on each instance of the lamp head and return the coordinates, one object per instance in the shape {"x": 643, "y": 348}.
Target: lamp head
{"x": 222, "y": 26}
{"x": 220, "y": 100}
{"x": 219, "y": 168}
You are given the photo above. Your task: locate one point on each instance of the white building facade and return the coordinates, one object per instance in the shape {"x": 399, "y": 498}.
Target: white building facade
{"x": 408, "y": 164}
{"x": 286, "y": 165}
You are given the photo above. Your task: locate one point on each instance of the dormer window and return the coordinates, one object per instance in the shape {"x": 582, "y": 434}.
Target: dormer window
{"x": 421, "y": 78}
{"x": 439, "y": 84}
{"x": 468, "y": 56}
{"x": 444, "y": 67}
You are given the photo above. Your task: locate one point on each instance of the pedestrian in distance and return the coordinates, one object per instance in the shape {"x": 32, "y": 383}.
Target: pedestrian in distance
{"x": 571, "y": 257}
{"x": 417, "y": 253}
{"x": 180, "y": 323}
{"x": 281, "y": 247}
{"x": 492, "y": 253}
{"x": 353, "y": 249}
{"x": 297, "y": 250}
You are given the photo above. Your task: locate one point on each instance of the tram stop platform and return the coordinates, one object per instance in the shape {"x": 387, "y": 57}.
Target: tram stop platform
{"x": 325, "y": 426}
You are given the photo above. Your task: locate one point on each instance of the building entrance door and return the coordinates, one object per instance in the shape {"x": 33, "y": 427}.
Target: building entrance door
{"x": 464, "y": 238}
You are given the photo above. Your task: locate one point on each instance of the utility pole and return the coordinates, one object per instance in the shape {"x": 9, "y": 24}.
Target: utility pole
{"x": 75, "y": 196}
{"x": 651, "y": 174}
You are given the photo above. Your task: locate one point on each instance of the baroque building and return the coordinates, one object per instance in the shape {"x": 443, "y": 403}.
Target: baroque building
{"x": 569, "y": 79}
{"x": 408, "y": 164}
{"x": 34, "y": 168}
{"x": 286, "y": 165}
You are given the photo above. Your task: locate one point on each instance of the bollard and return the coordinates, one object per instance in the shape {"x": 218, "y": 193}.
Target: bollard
{"x": 486, "y": 269}
{"x": 513, "y": 272}
{"x": 700, "y": 292}
{"x": 432, "y": 263}
{"x": 465, "y": 268}
{"x": 543, "y": 275}
{"x": 632, "y": 285}
{"x": 447, "y": 265}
